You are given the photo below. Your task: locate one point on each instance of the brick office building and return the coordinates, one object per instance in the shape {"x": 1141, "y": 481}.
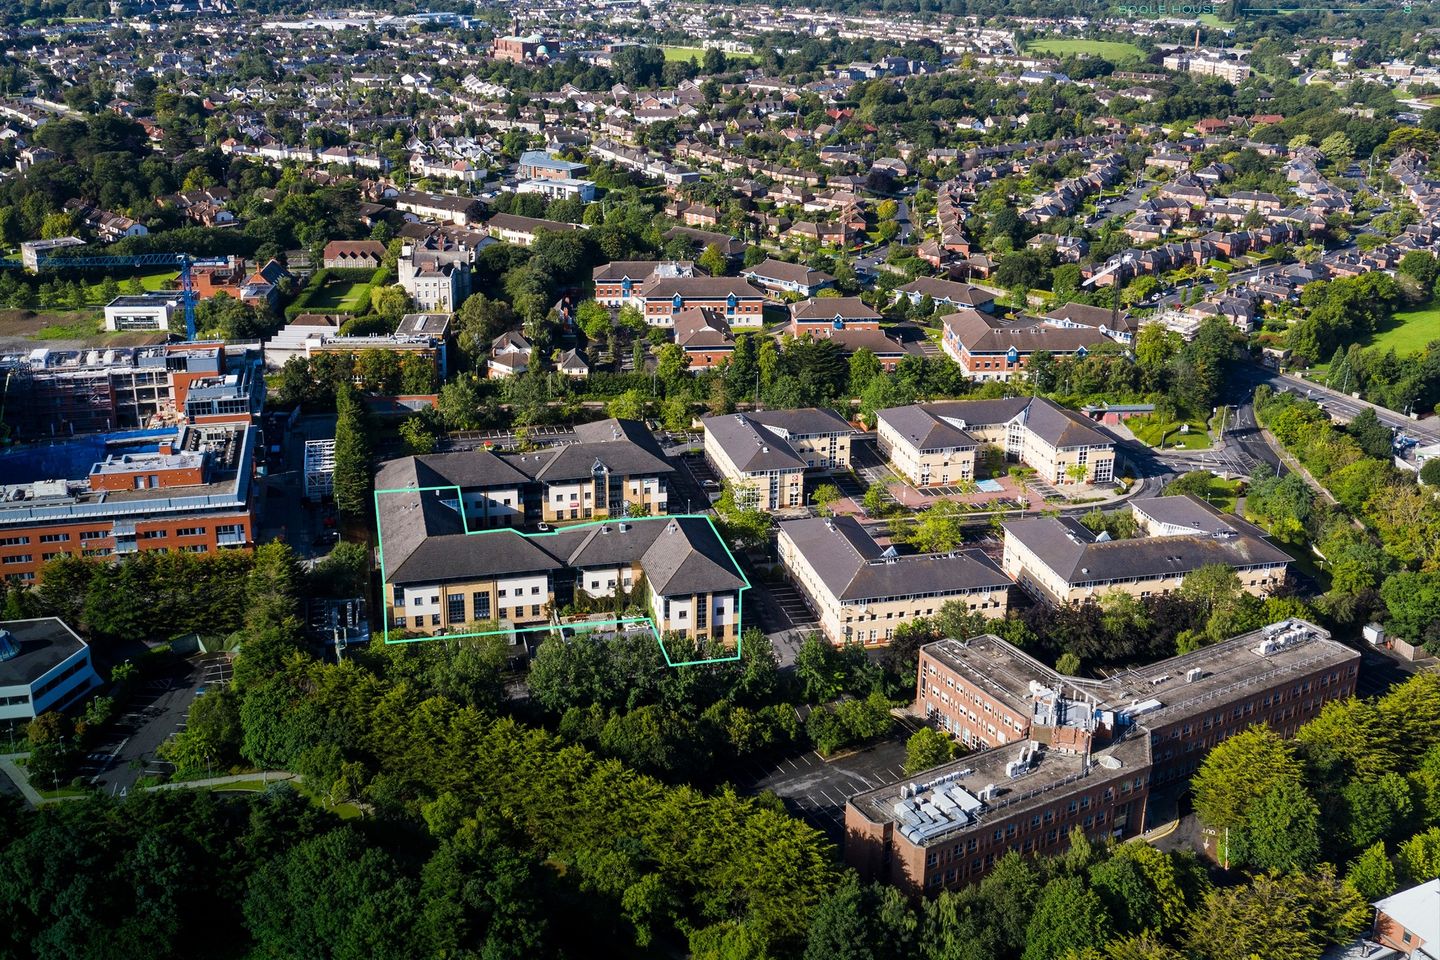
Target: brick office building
{"x": 190, "y": 492}
{"x": 1059, "y": 752}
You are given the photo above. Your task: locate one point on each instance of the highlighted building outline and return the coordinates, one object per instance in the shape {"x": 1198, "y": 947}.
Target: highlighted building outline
{"x": 582, "y": 626}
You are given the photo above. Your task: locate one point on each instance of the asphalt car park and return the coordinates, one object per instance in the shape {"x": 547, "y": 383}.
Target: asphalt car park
{"x": 153, "y": 714}
{"x": 817, "y": 789}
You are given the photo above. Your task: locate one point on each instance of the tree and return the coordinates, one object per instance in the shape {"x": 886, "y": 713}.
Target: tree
{"x": 1372, "y": 435}
{"x": 417, "y": 436}
{"x": 819, "y": 669}
{"x": 333, "y": 896}
{"x": 593, "y": 318}
{"x": 1420, "y": 856}
{"x": 926, "y": 748}
{"x": 1283, "y": 832}
{"x": 1338, "y": 149}
{"x": 629, "y": 405}
{"x": 459, "y": 403}
{"x": 713, "y": 261}
{"x": 352, "y": 454}
{"x": 1069, "y": 917}
{"x": 823, "y": 496}
{"x": 1372, "y": 875}
{"x": 1237, "y": 773}
{"x": 1290, "y": 917}
{"x": 838, "y": 928}
{"x": 938, "y": 530}
{"x": 1430, "y": 472}
{"x": 391, "y": 303}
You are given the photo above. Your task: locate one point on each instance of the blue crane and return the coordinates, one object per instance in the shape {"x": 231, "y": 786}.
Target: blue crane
{"x": 182, "y": 260}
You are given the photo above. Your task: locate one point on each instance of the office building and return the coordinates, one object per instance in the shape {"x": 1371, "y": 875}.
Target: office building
{"x": 44, "y": 666}
{"x": 939, "y": 443}
{"x": 1059, "y": 752}
{"x": 189, "y": 491}
{"x": 861, "y": 592}
{"x": 765, "y": 455}
{"x": 1060, "y": 560}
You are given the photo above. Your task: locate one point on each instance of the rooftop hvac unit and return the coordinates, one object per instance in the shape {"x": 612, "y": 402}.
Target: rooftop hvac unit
{"x": 987, "y": 793}
{"x": 1193, "y": 674}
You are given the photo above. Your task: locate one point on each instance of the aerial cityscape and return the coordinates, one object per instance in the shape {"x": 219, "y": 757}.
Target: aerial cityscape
{"x": 832, "y": 480}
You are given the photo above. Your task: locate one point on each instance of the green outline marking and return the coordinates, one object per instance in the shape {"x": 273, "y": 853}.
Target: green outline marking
{"x": 583, "y": 626}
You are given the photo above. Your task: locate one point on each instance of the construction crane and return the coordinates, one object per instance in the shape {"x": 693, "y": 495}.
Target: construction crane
{"x": 183, "y": 261}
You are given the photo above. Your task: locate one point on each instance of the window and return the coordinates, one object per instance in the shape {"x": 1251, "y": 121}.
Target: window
{"x": 153, "y": 534}
{"x": 94, "y": 535}
{"x": 55, "y": 538}
{"x": 15, "y": 541}
{"x": 19, "y": 558}
{"x": 535, "y": 610}
{"x": 480, "y": 602}
{"x": 190, "y": 532}
{"x": 434, "y": 619}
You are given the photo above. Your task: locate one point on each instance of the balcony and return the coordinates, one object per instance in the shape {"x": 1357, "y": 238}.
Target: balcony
{"x": 232, "y": 539}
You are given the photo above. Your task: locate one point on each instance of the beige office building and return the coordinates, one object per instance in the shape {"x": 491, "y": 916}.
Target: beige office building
{"x": 861, "y": 592}
{"x": 1060, "y": 560}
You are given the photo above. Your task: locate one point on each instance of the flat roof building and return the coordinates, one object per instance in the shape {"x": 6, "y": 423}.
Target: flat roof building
{"x": 44, "y": 665}
{"x": 189, "y": 491}
{"x": 1058, "y": 752}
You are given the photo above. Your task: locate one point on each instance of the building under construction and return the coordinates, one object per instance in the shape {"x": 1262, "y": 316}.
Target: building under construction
{"x": 51, "y": 393}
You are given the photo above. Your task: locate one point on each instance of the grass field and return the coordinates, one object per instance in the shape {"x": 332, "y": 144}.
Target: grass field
{"x": 1410, "y": 330}
{"x": 1147, "y": 431}
{"x": 1112, "y": 50}
{"x": 698, "y": 54}
{"x": 346, "y": 296}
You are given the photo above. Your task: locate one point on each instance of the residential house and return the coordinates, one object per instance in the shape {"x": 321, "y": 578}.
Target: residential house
{"x": 510, "y": 354}
{"x": 665, "y": 297}
{"x": 991, "y": 348}
{"x": 779, "y": 276}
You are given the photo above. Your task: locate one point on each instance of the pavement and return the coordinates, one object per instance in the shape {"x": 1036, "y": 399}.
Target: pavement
{"x": 154, "y": 714}
{"x": 816, "y": 789}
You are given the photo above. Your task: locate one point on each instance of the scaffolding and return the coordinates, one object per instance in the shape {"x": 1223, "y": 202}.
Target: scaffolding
{"x": 319, "y": 469}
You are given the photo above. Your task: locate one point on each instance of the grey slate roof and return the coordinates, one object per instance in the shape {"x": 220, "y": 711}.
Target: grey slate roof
{"x": 923, "y": 429}
{"x": 854, "y": 567}
{"x": 757, "y": 441}
{"x": 1071, "y": 550}
{"x": 687, "y": 558}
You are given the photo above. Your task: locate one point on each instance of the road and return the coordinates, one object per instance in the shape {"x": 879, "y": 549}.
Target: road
{"x": 1342, "y": 406}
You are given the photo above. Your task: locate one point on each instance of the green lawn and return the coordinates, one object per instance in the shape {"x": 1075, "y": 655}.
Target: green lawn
{"x": 1221, "y": 493}
{"x": 683, "y": 54}
{"x": 345, "y": 296}
{"x": 1147, "y": 431}
{"x": 1113, "y": 50}
{"x": 1410, "y": 330}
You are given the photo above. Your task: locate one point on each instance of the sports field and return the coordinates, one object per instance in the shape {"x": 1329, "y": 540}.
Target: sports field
{"x": 698, "y": 55}
{"x": 1112, "y": 50}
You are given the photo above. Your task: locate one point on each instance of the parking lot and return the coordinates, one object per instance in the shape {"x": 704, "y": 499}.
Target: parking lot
{"x": 693, "y": 486}
{"x": 816, "y": 789}
{"x": 789, "y": 610}
{"x": 155, "y": 713}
